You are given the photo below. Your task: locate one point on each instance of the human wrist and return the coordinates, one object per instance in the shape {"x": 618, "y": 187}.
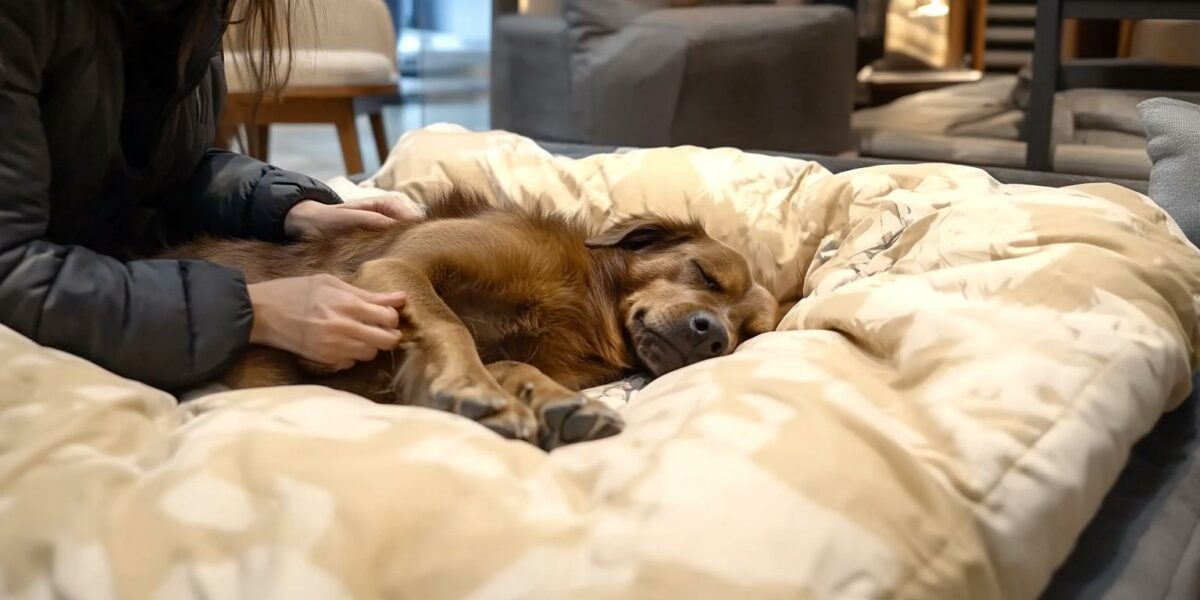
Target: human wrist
{"x": 301, "y": 218}
{"x": 260, "y": 320}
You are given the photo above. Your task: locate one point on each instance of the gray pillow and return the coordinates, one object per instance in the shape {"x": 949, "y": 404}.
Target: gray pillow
{"x": 1173, "y": 142}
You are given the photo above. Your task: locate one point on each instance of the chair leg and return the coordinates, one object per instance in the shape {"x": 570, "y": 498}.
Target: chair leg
{"x": 263, "y": 135}
{"x": 258, "y": 138}
{"x": 250, "y": 135}
{"x": 242, "y": 137}
{"x": 377, "y": 130}
{"x": 1125, "y": 45}
{"x": 227, "y": 130}
{"x": 979, "y": 35}
{"x": 348, "y": 136}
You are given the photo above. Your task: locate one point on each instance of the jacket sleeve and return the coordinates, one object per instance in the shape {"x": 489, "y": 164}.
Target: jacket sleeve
{"x": 171, "y": 324}
{"x": 232, "y": 195}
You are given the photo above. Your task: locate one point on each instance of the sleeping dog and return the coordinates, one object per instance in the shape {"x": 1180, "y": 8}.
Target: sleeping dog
{"x": 511, "y": 311}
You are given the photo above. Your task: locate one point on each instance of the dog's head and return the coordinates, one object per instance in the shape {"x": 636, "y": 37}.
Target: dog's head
{"x": 688, "y": 297}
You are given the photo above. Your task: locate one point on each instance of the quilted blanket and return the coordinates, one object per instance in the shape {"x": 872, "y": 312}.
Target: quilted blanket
{"x": 938, "y": 416}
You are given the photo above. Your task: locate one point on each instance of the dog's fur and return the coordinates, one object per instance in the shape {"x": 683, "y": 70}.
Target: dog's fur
{"x": 511, "y": 311}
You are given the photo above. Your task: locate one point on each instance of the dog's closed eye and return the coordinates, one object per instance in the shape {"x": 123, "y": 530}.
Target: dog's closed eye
{"x": 709, "y": 280}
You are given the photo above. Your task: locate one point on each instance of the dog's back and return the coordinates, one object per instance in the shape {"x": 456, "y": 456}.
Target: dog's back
{"x": 338, "y": 255}
{"x": 531, "y": 298}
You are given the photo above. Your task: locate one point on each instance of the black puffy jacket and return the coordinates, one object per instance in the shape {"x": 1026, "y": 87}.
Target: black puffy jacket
{"x": 104, "y": 155}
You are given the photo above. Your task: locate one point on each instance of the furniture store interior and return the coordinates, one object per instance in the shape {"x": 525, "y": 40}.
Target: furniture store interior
{"x": 544, "y": 299}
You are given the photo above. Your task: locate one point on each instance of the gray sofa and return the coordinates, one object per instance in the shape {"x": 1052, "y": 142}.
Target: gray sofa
{"x": 636, "y": 72}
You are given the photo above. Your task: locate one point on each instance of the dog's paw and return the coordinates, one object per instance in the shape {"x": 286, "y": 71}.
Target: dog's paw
{"x": 572, "y": 418}
{"x": 564, "y": 416}
{"x": 488, "y": 405}
{"x": 515, "y": 423}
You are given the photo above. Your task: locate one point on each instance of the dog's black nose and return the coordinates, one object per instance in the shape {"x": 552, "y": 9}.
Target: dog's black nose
{"x": 709, "y": 338}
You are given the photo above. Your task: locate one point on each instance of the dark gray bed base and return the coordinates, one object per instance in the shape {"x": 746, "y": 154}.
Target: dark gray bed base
{"x": 1144, "y": 543}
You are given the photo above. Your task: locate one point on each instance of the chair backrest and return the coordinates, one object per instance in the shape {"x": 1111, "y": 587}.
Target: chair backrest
{"x": 351, "y": 27}
{"x": 364, "y": 25}
{"x": 1172, "y": 42}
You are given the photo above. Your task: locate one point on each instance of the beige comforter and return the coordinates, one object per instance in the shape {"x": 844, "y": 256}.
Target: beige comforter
{"x": 939, "y": 417}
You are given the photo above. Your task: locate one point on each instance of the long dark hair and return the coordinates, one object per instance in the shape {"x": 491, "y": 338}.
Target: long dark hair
{"x": 262, "y": 29}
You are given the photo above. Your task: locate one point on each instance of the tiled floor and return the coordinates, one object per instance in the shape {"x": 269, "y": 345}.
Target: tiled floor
{"x": 314, "y": 149}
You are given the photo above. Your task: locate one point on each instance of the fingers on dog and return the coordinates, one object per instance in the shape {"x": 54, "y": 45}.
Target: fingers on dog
{"x": 375, "y": 337}
{"x": 362, "y": 351}
{"x": 378, "y": 315}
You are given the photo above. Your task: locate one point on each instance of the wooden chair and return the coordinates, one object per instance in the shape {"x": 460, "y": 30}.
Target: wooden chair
{"x": 344, "y": 66}
{"x": 340, "y": 106}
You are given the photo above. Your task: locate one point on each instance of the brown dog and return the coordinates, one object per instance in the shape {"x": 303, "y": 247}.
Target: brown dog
{"x": 511, "y": 311}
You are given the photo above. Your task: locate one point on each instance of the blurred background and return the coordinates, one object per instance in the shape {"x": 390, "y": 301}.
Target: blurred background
{"x": 441, "y": 50}
{"x": 933, "y": 80}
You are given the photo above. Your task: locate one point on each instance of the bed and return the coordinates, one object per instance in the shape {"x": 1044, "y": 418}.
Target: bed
{"x": 942, "y": 414}
{"x": 1145, "y": 540}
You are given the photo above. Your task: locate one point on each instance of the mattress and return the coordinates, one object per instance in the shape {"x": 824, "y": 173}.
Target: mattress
{"x": 1143, "y": 541}
{"x": 941, "y": 414}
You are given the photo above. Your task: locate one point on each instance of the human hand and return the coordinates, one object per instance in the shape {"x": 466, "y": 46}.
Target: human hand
{"x": 309, "y": 218}
{"x": 324, "y": 319}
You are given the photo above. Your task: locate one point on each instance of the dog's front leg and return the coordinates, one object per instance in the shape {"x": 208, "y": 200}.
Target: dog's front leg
{"x": 441, "y": 367}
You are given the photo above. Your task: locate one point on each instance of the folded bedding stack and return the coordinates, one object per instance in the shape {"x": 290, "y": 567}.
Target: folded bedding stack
{"x": 939, "y": 415}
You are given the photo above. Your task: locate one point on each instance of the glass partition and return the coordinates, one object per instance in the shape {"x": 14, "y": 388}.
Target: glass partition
{"x": 443, "y": 48}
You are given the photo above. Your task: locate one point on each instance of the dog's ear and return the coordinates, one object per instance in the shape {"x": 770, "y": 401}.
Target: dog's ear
{"x": 785, "y": 307}
{"x": 642, "y": 232}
